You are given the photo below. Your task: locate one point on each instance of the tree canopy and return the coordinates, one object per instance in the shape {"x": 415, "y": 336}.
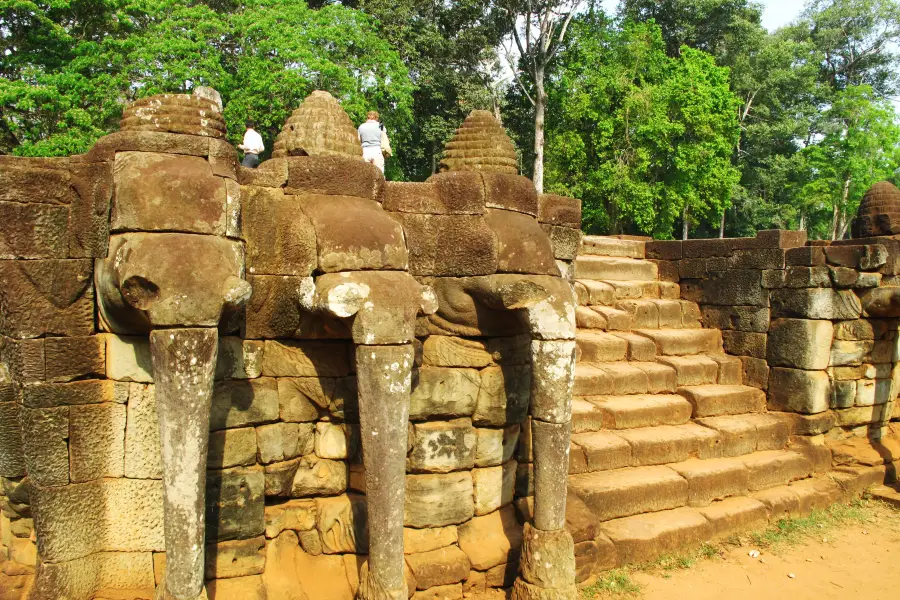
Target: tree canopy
{"x": 668, "y": 117}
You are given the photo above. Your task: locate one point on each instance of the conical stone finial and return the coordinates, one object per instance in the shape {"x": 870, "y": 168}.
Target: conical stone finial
{"x": 319, "y": 127}
{"x": 192, "y": 114}
{"x": 480, "y": 144}
{"x": 879, "y": 211}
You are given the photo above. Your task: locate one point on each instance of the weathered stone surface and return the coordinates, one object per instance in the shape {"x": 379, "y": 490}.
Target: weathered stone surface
{"x": 292, "y": 515}
{"x": 332, "y": 441}
{"x": 492, "y": 539}
{"x": 436, "y": 500}
{"x": 318, "y": 476}
{"x": 128, "y": 358}
{"x": 559, "y": 210}
{"x": 503, "y": 396}
{"x": 441, "y": 446}
{"x": 510, "y": 192}
{"x": 244, "y": 402}
{"x": 280, "y": 238}
{"x": 734, "y": 288}
{"x": 457, "y": 245}
{"x": 100, "y": 572}
{"x": 30, "y": 231}
{"x": 494, "y": 487}
{"x": 426, "y": 540}
{"x": 444, "y": 566}
{"x": 45, "y": 433}
{"x": 237, "y": 558}
{"x": 142, "y": 445}
{"x": 306, "y": 359}
{"x": 284, "y": 441}
{"x": 24, "y": 359}
{"x": 169, "y": 279}
{"x": 523, "y": 247}
{"x": 548, "y": 558}
{"x": 163, "y": 192}
{"x": 744, "y": 343}
{"x": 237, "y": 588}
{"x": 96, "y": 441}
{"x": 12, "y": 461}
{"x": 46, "y": 297}
{"x": 68, "y": 358}
{"x": 378, "y": 245}
{"x": 816, "y": 303}
{"x": 334, "y": 175}
{"x": 231, "y": 448}
{"x": 458, "y": 193}
{"x": 273, "y": 311}
{"x": 799, "y": 343}
{"x": 444, "y": 392}
{"x": 235, "y": 507}
{"x": 302, "y": 398}
{"x": 184, "y": 364}
{"x": 565, "y": 241}
{"x": 239, "y": 359}
{"x": 446, "y": 351}
{"x": 552, "y": 379}
{"x": 117, "y": 515}
{"x": 86, "y": 391}
{"x": 495, "y": 446}
{"x": 341, "y": 521}
{"x": 551, "y": 460}
{"x": 795, "y": 390}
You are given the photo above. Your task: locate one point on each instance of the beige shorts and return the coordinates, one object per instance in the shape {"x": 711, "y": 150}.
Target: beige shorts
{"x": 374, "y": 156}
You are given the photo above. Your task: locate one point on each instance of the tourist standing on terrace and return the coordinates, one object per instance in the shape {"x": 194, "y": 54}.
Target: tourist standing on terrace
{"x": 252, "y": 146}
{"x": 374, "y": 140}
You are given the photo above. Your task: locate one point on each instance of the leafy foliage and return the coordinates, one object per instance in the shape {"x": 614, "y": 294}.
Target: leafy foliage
{"x": 640, "y": 136}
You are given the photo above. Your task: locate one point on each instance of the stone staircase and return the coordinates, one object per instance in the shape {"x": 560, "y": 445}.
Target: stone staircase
{"x": 669, "y": 448}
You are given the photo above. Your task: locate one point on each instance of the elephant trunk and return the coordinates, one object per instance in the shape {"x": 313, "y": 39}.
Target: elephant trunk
{"x": 184, "y": 362}
{"x": 384, "y": 374}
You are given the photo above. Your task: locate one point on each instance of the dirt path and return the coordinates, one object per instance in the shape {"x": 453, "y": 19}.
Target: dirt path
{"x": 859, "y": 560}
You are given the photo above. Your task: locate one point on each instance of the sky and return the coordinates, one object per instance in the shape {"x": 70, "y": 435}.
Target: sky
{"x": 775, "y": 12}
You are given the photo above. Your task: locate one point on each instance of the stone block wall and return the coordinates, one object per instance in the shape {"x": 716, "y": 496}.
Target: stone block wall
{"x": 137, "y": 237}
{"x": 804, "y": 318}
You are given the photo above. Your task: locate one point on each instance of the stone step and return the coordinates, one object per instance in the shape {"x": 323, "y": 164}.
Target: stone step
{"x": 602, "y": 318}
{"x": 731, "y": 369}
{"x": 622, "y": 491}
{"x": 595, "y": 346}
{"x": 592, "y": 292}
{"x": 697, "y": 369}
{"x": 655, "y": 313}
{"x": 628, "y": 412}
{"x": 717, "y": 400}
{"x": 643, "y": 446}
{"x": 623, "y": 378}
{"x": 681, "y": 342}
{"x": 745, "y": 434}
{"x": 639, "y": 347}
{"x": 606, "y": 246}
{"x": 603, "y": 268}
{"x": 643, "y": 538}
{"x": 630, "y": 491}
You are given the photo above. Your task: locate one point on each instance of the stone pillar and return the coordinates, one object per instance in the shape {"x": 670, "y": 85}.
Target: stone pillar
{"x": 184, "y": 362}
{"x": 384, "y": 374}
{"x": 547, "y": 564}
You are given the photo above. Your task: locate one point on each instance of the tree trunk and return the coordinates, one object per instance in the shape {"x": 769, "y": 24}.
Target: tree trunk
{"x": 802, "y": 221}
{"x": 837, "y": 230}
{"x": 540, "y": 100}
{"x": 685, "y": 225}
{"x": 722, "y": 225}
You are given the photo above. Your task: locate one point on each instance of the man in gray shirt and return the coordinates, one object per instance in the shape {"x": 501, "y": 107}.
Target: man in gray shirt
{"x": 373, "y": 138}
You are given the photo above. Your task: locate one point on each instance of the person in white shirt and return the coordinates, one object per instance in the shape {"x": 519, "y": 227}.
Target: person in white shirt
{"x": 374, "y": 140}
{"x": 252, "y": 146}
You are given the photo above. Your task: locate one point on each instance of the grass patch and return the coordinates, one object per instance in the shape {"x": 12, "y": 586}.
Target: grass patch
{"x": 792, "y": 531}
{"x": 617, "y": 582}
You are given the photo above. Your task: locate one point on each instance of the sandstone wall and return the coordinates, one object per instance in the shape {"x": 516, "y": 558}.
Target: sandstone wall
{"x": 82, "y": 491}
{"x": 803, "y": 318}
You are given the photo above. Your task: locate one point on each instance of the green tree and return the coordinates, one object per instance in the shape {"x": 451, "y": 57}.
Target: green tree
{"x": 264, "y": 58}
{"x": 860, "y": 145}
{"x": 641, "y": 137}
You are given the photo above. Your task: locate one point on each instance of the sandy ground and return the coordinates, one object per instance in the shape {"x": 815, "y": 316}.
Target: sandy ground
{"x": 853, "y": 561}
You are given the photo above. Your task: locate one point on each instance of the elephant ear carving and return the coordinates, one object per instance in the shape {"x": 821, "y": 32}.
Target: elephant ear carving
{"x": 61, "y": 283}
